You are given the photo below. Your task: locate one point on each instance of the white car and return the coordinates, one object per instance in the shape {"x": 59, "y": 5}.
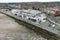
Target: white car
{"x": 15, "y": 11}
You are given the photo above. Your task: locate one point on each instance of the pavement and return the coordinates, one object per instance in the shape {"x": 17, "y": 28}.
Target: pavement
{"x": 10, "y": 30}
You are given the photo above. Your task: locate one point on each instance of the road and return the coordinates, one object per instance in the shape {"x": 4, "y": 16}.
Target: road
{"x": 10, "y": 30}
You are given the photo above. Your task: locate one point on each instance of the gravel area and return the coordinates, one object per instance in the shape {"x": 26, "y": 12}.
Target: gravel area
{"x": 10, "y": 30}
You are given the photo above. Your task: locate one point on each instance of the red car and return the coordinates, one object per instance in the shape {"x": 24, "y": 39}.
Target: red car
{"x": 56, "y": 12}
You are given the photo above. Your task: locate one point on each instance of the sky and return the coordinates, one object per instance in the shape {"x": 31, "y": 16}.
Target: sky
{"x": 9, "y": 1}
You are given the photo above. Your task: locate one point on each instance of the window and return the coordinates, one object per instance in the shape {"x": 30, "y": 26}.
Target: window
{"x": 6, "y": 10}
{"x": 15, "y": 14}
{"x": 24, "y": 16}
{"x": 10, "y": 9}
{"x": 45, "y": 19}
{"x": 34, "y": 20}
{"x": 20, "y": 16}
{"x": 28, "y": 18}
{"x": 39, "y": 21}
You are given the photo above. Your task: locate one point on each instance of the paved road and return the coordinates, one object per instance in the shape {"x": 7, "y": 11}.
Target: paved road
{"x": 10, "y": 30}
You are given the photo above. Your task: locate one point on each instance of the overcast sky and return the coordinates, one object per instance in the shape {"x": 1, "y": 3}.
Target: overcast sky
{"x": 7, "y": 1}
